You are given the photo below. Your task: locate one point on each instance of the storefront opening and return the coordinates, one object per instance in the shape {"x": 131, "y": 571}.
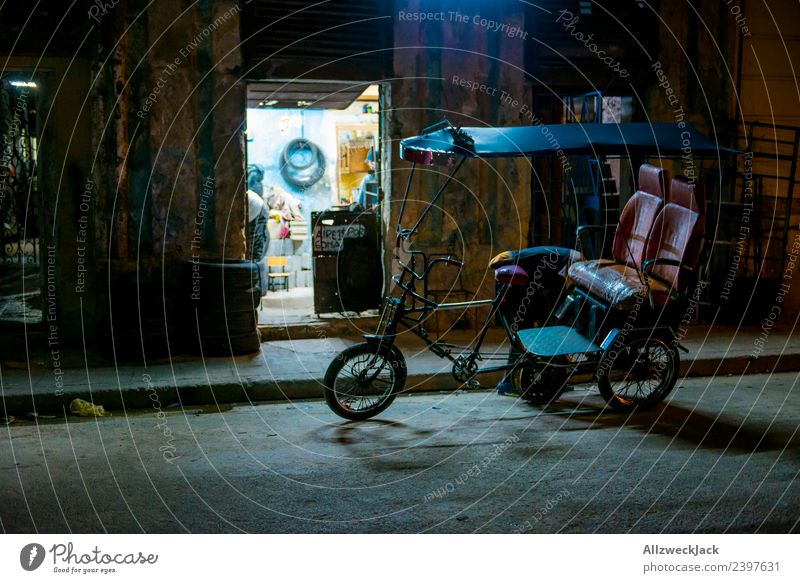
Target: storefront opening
{"x": 313, "y": 152}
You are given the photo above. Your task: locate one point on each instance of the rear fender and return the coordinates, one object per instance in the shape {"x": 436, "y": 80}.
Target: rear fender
{"x": 621, "y": 335}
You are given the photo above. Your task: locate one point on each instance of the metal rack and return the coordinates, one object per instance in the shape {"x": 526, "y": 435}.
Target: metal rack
{"x": 753, "y": 219}
{"x": 773, "y": 150}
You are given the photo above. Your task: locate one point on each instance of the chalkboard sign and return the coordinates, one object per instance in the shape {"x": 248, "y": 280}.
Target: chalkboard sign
{"x": 348, "y": 275}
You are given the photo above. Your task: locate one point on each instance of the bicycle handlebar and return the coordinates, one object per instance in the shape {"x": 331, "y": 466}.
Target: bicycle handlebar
{"x": 449, "y": 260}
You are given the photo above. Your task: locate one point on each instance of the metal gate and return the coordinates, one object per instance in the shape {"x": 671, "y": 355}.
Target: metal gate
{"x": 19, "y": 191}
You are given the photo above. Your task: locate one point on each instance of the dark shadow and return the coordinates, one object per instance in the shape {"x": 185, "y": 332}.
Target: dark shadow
{"x": 348, "y": 432}
{"x": 361, "y": 432}
{"x": 690, "y": 426}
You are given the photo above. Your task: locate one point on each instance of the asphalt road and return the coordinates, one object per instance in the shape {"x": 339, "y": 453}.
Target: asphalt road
{"x": 721, "y": 456}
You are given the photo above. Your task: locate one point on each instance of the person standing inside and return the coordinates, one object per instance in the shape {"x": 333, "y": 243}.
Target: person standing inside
{"x": 258, "y": 235}
{"x": 368, "y": 192}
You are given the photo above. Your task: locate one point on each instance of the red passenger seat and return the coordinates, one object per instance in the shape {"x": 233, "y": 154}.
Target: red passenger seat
{"x": 677, "y": 235}
{"x": 612, "y": 279}
{"x": 639, "y": 214}
{"x": 673, "y": 245}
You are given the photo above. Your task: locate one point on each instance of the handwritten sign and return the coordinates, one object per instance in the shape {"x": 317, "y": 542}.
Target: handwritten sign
{"x": 330, "y": 238}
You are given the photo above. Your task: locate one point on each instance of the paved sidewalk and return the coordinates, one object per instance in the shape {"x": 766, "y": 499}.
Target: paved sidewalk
{"x": 294, "y": 369}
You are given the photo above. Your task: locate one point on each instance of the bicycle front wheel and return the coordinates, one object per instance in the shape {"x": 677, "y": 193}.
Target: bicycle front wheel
{"x": 364, "y": 379}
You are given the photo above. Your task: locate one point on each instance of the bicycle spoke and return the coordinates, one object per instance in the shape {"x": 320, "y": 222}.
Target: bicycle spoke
{"x": 640, "y": 373}
{"x": 364, "y": 382}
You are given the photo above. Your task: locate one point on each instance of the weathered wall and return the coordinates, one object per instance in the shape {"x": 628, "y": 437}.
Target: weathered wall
{"x": 697, "y": 61}
{"x": 700, "y": 62}
{"x": 172, "y": 162}
{"x": 167, "y": 142}
{"x": 436, "y": 65}
{"x": 770, "y": 36}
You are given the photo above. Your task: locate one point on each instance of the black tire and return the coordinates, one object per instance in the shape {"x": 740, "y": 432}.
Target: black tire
{"x": 638, "y": 374}
{"x": 219, "y": 322}
{"x": 540, "y": 385}
{"x": 302, "y": 175}
{"x": 224, "y": 295}
{"x": 391, "y": 369}
{"x": 233, "y": 274}
{"x": 228, "y": 345}
{"x": 232, "y": 301}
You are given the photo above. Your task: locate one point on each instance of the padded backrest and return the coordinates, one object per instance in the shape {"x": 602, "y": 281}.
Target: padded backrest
{"x": 678, "y": 231}
{"x": 638, "y": 216}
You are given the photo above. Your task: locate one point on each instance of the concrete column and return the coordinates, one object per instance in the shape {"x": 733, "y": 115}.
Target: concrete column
{"x": 170, "y": 170}
{"x": 436, "y": 63}
{"x": 177, "y": 108}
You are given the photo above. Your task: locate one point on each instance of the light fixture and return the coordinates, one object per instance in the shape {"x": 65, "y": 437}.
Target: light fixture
{"x": 24, "y": 84}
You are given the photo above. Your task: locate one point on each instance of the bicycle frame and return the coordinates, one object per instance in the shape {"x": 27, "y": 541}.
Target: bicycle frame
{"x": 397, "y": 312}
{"x": 465, "y": 358}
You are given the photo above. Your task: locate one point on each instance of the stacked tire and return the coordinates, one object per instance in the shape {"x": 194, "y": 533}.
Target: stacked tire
{"x": 219, "y": 301}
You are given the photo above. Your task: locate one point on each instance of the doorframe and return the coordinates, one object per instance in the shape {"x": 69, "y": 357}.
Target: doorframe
{"x": 383, "y": 169}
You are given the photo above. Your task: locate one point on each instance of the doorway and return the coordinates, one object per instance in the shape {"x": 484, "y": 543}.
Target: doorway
{"x": 313, "y": 152}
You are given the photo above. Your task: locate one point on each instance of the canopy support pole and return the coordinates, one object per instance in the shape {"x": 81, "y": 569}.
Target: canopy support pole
{"x": 434, "y": 199}
{"x": 405, "y": 197}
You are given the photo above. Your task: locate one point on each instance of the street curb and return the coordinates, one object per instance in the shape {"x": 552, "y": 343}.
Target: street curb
{"x": 159, "y": 397}
{"x": 328, "y": 328}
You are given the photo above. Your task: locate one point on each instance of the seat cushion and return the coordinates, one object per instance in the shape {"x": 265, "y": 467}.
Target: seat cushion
{"x": 654, "y": 180}
{"x": 615, "y": 283}
{"x": 639, "y": 214}
{"x": 512, "y": 275}
{"x": 532, "y": 258}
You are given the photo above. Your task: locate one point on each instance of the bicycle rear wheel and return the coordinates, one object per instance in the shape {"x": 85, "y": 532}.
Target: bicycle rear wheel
{"x": 540, "y": 385}
{"x": 639, "y": 374}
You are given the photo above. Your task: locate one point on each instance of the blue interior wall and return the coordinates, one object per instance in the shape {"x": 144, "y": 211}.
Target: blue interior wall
{"x": 268, "y": 132}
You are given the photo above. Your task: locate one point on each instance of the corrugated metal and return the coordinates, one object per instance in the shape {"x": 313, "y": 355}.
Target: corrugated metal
{"x": 293, "y": 37}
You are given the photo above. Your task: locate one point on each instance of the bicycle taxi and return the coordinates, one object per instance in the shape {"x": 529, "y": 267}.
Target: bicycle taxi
{"x": 619, "y": 318}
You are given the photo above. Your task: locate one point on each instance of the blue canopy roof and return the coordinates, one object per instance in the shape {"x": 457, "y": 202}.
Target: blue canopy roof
{"x": 625, "y": 139}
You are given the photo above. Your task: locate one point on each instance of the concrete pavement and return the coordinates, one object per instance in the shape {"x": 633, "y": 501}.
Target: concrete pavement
{"x": 294, "y": 369}
{"x": 722, "y": 455}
